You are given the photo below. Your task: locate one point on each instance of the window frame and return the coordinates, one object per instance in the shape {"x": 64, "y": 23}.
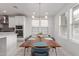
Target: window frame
{"x": 40, "y": 27}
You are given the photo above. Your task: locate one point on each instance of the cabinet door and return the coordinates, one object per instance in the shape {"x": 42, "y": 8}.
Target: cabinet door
{"x": 11, "y": 21}
{"x": 19, "y": 20}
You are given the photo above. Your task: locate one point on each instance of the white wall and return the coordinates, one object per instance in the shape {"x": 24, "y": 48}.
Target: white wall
{"x": 50, "y": 25}
{"x": 27, "y": 27}
{"x": 69, "y": 45}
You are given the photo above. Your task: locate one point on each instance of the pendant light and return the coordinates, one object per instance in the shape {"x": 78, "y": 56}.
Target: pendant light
{"x": 4, "y": 19}
{"x": 39, "y": 12}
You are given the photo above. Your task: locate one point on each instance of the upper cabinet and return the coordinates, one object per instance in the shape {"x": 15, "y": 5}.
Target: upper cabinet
{"x": 11, "y": 21}
{"x": 16, "y": 20}
{"x": 19, "y": 20}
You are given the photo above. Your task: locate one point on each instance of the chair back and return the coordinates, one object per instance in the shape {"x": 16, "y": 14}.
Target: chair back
{"x": 28, "y": 37}
{"x": 51, "y": 37}
{"x": 40, "y": 51}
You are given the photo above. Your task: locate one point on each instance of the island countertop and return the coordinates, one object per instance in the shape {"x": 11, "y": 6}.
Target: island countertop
{"x": 8, "y": 43}
{"x": 6, "y": 34}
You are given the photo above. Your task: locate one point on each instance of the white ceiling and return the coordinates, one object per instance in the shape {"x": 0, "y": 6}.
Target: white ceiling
{"x": 28, "y": 8}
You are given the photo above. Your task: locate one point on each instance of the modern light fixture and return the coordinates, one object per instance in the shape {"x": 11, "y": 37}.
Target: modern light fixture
{"x": 33, "y": 17}
{"x": 39, "y": 15}
{"x": 39, "y": 12}
{"x": 46, "y": 13}
{"x": 46, "y": 17}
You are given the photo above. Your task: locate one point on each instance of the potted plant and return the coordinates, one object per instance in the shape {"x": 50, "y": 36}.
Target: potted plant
{"x": 40, "y": 35}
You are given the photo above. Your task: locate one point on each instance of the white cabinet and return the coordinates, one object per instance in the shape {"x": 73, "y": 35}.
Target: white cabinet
{"x": 19, "y": 20}
{"x": 11, "y": 21}
{"x": 16, "y": 20}
{"x": 8, "y": 44}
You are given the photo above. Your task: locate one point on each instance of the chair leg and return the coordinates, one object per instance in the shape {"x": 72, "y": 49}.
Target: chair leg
{"x": 55, "y": 51}
{"x": 27, "y": 49}
{"x": 24, "y": 51}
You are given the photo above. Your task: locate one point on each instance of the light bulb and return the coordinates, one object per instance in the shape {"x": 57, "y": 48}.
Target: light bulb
{"x": 46, "y": 17}
{"x": 33, "y": 16}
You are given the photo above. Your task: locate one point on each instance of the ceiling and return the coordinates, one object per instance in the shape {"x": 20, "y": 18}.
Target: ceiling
{"x": 42, "y": 9}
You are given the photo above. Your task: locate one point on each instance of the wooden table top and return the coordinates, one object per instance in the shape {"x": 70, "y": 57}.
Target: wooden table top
{"x": 50, "y": 43}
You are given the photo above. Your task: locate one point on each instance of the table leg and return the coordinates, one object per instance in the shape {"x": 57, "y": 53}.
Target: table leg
{"x": 24, "y": 51}
{"x": 55, "y": 51}
{"x": 52, "y": 50}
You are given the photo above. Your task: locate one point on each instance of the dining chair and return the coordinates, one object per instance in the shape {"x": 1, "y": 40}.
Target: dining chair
{"x": 39, "y": 51}
{"x": 53, "y": 40}
{"x": 26, "y": 39}
{"x": 51, "y": 37}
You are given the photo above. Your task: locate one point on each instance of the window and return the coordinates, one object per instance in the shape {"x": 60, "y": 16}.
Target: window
{"x": 76, "y": 11}
{"x": 35, "y": 23}
{"x": 63, "y": 29}
{"x": 39, "y": 26}
{"x": 69, "y": 24}
{"x": 44, "y": 23}
{"x": 75, "y": 24}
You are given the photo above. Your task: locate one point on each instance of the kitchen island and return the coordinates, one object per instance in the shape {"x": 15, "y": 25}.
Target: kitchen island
{"x": 8, "y": 43}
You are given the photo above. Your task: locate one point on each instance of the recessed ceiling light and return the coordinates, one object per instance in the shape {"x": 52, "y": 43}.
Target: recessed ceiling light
{"x": 33, "y": 16}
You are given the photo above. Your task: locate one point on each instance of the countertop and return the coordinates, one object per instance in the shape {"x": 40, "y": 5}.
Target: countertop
{"x": 6, "y": 34}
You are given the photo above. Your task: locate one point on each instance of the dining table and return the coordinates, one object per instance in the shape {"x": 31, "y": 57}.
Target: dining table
{"x": 50, "y": 43}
